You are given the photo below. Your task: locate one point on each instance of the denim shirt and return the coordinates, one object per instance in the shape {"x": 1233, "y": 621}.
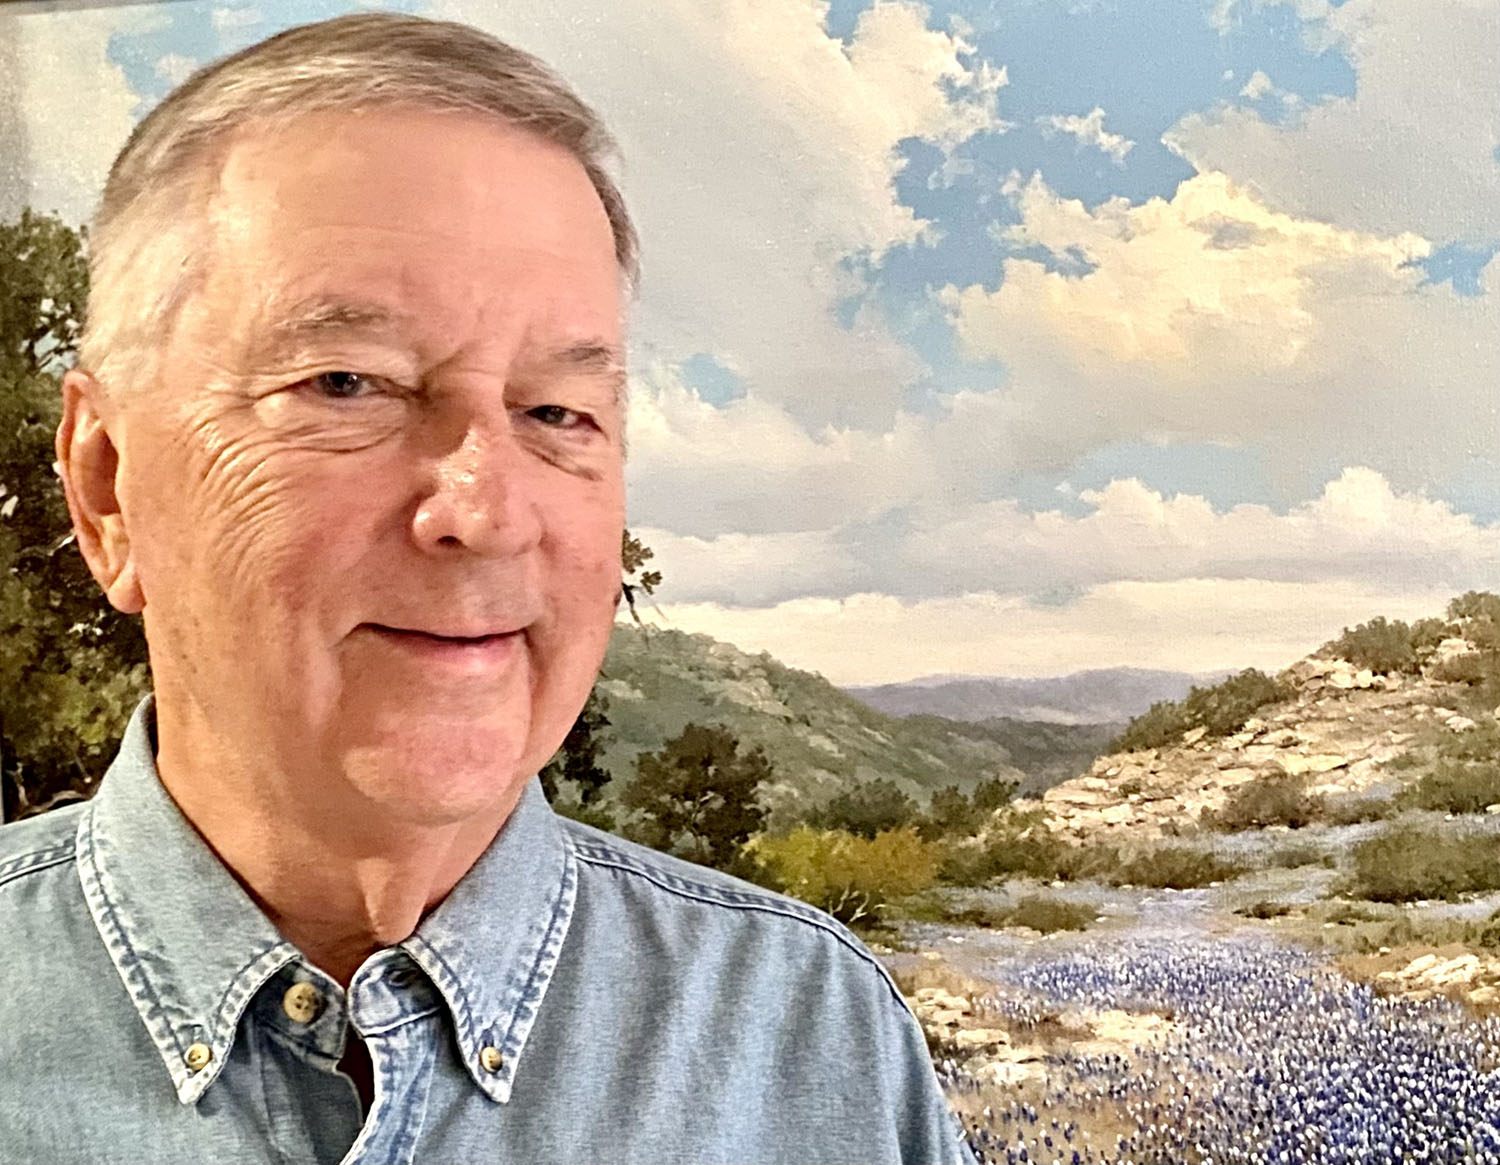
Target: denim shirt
{"x": 575, "y": 998}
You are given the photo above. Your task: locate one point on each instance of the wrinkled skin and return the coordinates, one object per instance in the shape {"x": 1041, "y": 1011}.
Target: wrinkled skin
{"x": 393, "y": 399}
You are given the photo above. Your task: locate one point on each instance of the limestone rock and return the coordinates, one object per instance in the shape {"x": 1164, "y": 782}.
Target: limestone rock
{"x": 980, "y": 1037}
{"x": 1296, "y": 765}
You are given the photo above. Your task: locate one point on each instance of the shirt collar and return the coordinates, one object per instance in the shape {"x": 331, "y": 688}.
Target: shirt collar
{"x": 192, "y": 948}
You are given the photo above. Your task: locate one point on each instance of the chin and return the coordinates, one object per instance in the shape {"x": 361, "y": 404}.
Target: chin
{"x": 441, "y": 774}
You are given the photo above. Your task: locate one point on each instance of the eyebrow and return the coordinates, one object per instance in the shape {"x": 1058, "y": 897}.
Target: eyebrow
{"x": 319, "y": 317}
{"x": 594, "y": 358}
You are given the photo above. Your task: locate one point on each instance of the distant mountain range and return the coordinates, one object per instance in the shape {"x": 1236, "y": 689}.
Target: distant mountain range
{"x": 818, "y": 738}
{"x": 1105, "y": 696}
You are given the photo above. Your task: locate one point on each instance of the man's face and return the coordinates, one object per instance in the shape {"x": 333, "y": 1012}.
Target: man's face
{"x": 389, "y": 413}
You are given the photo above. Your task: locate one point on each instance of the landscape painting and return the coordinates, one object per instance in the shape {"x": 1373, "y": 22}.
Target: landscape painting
{"x": 1063, "y": 528}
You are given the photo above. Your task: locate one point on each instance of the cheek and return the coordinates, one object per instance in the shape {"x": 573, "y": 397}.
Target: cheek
{"x": 234, "y": 525}
{"x": 588, "y": 537}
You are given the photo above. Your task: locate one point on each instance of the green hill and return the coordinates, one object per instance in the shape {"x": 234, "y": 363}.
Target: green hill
{"x": 818, "y": 738}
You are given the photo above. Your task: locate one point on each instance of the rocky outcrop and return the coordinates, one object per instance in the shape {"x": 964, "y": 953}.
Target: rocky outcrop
{"x": 995, "y": 1055}
{"x": 1343, "y": 727}
{"x": 1467, "y": 978}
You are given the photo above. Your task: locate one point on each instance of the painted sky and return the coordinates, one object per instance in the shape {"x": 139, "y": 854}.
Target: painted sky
{"x": 998, "y": 338}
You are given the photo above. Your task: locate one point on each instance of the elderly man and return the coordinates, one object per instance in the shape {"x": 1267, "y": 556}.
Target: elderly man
{"x": 347, "y": 432}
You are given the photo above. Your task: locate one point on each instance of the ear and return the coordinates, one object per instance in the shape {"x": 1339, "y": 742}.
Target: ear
{"x": 88, "y": 462}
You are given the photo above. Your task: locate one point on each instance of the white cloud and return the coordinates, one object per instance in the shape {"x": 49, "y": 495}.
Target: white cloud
{"x": 749, "y": 467}
{"x": 174, "y": 68}
{"x": 1089, "y": 130}
{"x": 1212, "y": 317}
{"x": 1358, "y": 527}
{"x": 1194, "y": 625}
{"x": 1258, "y": 86}
{"x": 1413, "y": 149}
{"x": 68, "y": 107}
{"x": 229, "y": 20}
{"x": 760, "y": 155}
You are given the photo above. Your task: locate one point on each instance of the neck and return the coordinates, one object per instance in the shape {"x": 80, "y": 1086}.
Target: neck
{"x": 338, "y": 875}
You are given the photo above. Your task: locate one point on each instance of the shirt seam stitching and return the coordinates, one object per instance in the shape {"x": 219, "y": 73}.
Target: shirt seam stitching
{"x": 34, "y": 861}
{"x": 89, "y": 866}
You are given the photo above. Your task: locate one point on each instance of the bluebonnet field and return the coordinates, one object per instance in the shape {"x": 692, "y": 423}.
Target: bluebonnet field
{"x": 1272, "y": 1060}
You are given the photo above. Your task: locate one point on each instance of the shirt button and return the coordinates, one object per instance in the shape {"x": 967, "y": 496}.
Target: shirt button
{"x": 491, "y": 1059}
{"x": 197, "y": 1056}
{"x": 302, "y": 1002}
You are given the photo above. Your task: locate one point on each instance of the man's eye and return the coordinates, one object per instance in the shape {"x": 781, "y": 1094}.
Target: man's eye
{"x": 557, "y": 417}
{"x": 340, "y": 385}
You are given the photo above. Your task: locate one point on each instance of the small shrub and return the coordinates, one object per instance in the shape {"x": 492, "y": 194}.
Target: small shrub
{"x": 1220, "y": 710}
{"x": 1174, "y": 868}
{"x": 1412, "y": 758}
{"x": 1471, "y": 669}
{"x": 1264, "y": 910}
{"x": 1354, "y": 809}
{"x": 1386, "y": 646}
{"x": 1407, "y": 863}
{"x": 1093, "y": 862}
{"x": 1456, "y": 787}
{"x": 954, "y": 813}
{"x": 1258, "y": 804}
{"x": 980, "y": 917}
{"x": 1487, "y": 933}
{"x": 1039, "y": 912}
{"x": 866, "y": 809}
{"x": 850, "y": 877}
{"x": 1047, "y": 915}
{"x": 1480, "y": 743}
{"x": 1347, "y": 914}
{"x": 1017, "y": 844}
{"x": 1161, "y": 724}
{"x": 1298, "y": 854}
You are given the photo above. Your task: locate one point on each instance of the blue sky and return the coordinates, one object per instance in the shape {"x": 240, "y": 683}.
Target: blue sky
{"x": 1004, "y": 337}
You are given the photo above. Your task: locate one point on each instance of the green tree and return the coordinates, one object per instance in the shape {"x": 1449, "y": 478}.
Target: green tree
{"x": 574, "y": 780}
{"x": 71, "y": 667}
{"x": 867, "y": 808}
{"x": 634, "y": 554}
{"x": 696, "y": 796}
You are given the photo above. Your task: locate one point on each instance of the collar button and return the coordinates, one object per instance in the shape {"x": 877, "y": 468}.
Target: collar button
{"x": 302, "y": 1002}
{"x": 491, "y": 1059}
{"x": 197, "y": 1057}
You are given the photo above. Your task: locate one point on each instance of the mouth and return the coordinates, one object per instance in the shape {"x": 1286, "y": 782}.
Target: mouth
{"x": 446, "y": 636}
{"x": 470, "y": 655}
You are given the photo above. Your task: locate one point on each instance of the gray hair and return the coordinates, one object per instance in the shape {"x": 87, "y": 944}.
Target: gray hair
{"x": 147, "y": 238}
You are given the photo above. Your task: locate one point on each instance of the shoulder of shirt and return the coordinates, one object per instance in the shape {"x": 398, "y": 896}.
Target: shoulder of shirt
{"x": 38, "y": 843}
{"x": 673, "y": 876}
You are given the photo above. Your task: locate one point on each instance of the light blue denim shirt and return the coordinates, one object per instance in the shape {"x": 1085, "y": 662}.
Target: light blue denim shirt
{"x": 575, "y": 998}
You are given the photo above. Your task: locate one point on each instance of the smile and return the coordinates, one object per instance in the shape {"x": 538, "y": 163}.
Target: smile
{"x": 474, "y": 655}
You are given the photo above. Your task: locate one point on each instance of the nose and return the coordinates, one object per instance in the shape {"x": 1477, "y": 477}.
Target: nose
{"x": 479, "y": 496}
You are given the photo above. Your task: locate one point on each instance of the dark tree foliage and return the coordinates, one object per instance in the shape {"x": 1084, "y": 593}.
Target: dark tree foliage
{"x": 576, "y": 764}
{"x": 71, "y": 667}
{"x": 954, "y": 813}
{"x": 1388, "y": 645}
{"x": 634, "y": 555}
{"x": 867, "y": 808}
{"x": 696, "y": 796}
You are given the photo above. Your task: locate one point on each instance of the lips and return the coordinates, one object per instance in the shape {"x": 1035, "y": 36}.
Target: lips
{"x": 444, "y": 636}
{"x": 460, "y": 657}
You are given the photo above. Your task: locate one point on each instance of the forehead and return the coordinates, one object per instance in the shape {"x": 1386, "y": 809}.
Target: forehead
{"x": 421, "y": 215}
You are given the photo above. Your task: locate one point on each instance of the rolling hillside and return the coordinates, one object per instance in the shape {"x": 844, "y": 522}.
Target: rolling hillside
{"x": 819, "y": 738}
